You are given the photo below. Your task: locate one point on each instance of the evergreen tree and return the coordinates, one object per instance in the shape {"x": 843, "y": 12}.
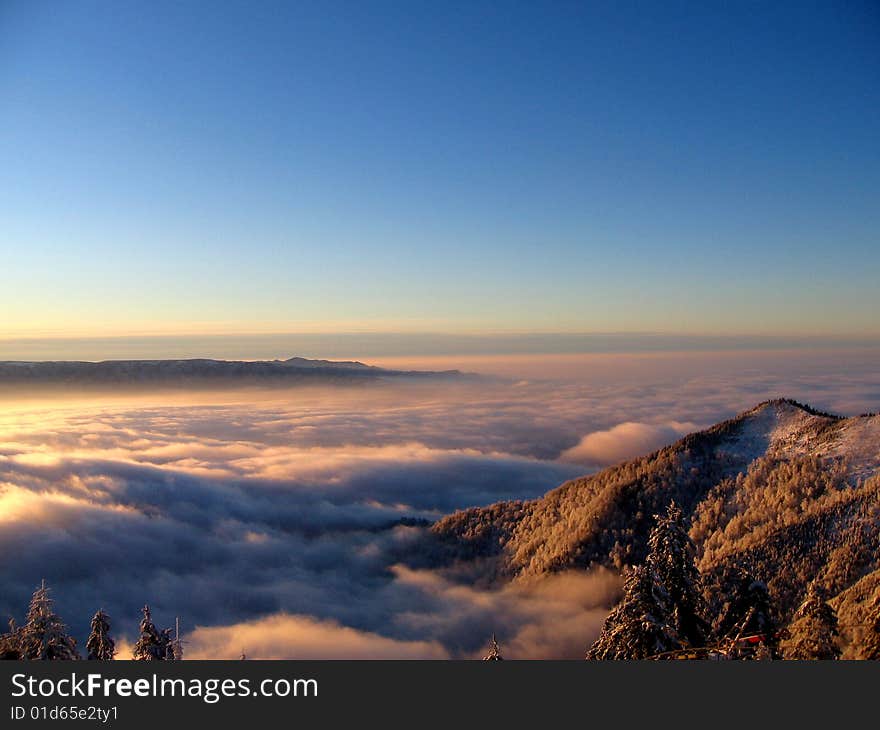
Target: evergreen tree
{"x": 671, "y": 559}
{"x": 813, "y": 631}
{"x": 100, "y": 645}
{"x": 746, "y": 606}
{"x": 10, "y": 644}
{"x": 746, "y": 610}
{"x": 166, "y": 645}
{"x": 494, "y": 654}
{"x": 149, "y": 646}
{"x": 176, "y": 643}
{"x": 44, "y": 635}
{"x": 638, "y": 627}
{"x": 871, "y": 641}
{"x": 9, "y": 648}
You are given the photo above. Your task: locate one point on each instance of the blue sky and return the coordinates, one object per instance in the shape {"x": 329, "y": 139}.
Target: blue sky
{"x": 192, "y": 168}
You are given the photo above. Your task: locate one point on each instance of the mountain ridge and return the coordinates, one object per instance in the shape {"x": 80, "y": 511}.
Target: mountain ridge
{"x": 195, "y": 370}
{"x": 781, "y": 484}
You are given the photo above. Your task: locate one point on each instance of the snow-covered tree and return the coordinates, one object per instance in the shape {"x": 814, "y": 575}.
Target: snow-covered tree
{"x": 166, "y": 645}
{"x": 150, "y": 645}
{"x": 813, "y": 631}
{"x": 10, "y": 644}
{"x": 746, "y": 610}
{"x": 100, "y": 645}
{"x": 638, "y": 627}
{"x": 44, "y": 635}
{"x": 671, "y": 558}
{"x": 494, "y": 654}
{"x": 746, "y": 607}
{"x": 176, "y": 643}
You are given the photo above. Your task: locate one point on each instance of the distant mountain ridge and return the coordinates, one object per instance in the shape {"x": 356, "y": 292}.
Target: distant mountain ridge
{"x": 791, "y": 491}
{"x": 196, "y": 370}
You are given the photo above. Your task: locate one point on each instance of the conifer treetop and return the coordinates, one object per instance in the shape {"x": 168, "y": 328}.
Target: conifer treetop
{"x": 494, "y": 654}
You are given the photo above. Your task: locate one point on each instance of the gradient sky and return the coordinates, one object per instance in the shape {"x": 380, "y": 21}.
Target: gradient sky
{"x": 195, "y": 167}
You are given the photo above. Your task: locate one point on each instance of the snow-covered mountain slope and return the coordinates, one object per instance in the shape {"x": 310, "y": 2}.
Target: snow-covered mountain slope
{"x": 793, "y": 492}
{"x": 786, "y": 430}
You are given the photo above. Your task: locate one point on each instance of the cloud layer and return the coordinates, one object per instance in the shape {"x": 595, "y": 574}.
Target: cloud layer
{"x": 271, "y": 521}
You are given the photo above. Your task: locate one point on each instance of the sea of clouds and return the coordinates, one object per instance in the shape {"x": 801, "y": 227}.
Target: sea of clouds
{"x": 270, "y": 521}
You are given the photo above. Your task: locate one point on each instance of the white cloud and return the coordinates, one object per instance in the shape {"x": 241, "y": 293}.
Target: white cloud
{"x": 285, "y": 636}
{"x": 625, "y": 441}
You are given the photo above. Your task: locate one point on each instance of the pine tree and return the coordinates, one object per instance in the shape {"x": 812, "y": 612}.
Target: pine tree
{"x": 44, "y": 635}
{"x": 176, "y": 643}
{"x": 813, "y": 631}
{"x": 747, "y": 611}
{"x": 870, "y": 648}
{"x": 494, "y": 654}
{"x": 166, "y": 645}
{"x": 746, "y": 607}
{"x": 149, "y": 646}
{"x": 638, "y": 627}
{"x": 671, "y": 558}
{"x": 100, "y": 645}
{"x": 10, "y": 644}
